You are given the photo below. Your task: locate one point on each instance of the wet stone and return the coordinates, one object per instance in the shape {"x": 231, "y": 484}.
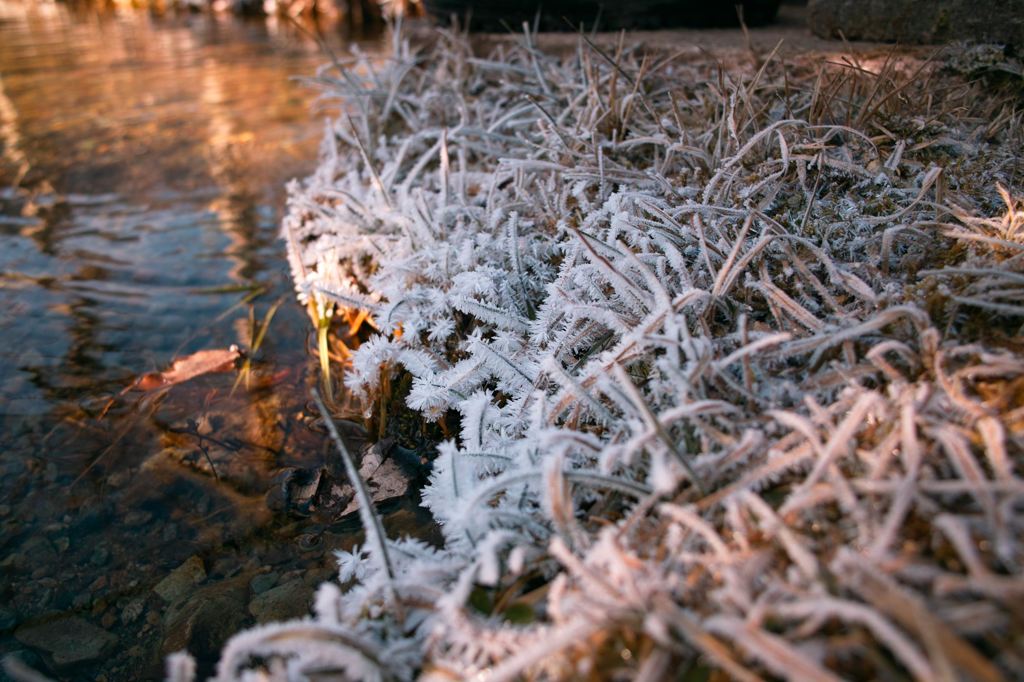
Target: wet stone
{"x": 284, "y": 602}
{"x": 202, "y": 623}
{"x": 11, "y": 562}
{"x": 45, "y": 598}
{"x": 69, "y": 641}
{"x": 8, "y": 619}
{"x": 100, "y": 556}
{"x": 263, "y": 582}
{"x": 90, "y": 521}
{"x": 134, "y": 519}
{"x": 225, "y": 567}
{"x": 132, "y": 611}
{"x": 118, "y": 479}
{"x": 38, "y": 551}
{"x": 169, "y": 533}
{"x": 181, "y": 580}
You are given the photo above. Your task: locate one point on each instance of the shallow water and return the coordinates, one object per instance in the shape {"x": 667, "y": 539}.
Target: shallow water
{"x": 142, "y": 165}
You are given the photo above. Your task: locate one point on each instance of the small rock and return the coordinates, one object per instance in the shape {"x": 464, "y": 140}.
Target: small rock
{"x": 100, "y": 556}
{"x": 203, "y": 622}
{"x": 38, "y": 551}
{"x": 90, "y": 521}
{"x": 5, "y": 510}
{"x": 12, "y": 562}
{"x": 108, "y": 620}
{"x": 136, "y": 518}
{"x": 132, "y": 611}
{"x": 314, "y": 578}
{"x": 119, "y": 478}
{"x": 225, "y": 567}
{"x": 62, "y": 543}
{"x": 81, "y": 601}
{"x": 70, "y": 640}
{"x": 179, "y": 583}
{"x": 263, "y": 582}
{"x": 284, "y": 602}
{"x": 8, "y": 619}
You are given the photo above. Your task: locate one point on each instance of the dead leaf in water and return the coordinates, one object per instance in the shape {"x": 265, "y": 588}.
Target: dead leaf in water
{"x": 189, "y": 367}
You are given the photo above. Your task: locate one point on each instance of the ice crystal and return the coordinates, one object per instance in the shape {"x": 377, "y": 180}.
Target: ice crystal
{"x": 713, "y": 401}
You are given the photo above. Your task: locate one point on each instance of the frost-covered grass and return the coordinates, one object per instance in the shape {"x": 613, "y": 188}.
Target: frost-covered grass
{"x": 735, "y": 355}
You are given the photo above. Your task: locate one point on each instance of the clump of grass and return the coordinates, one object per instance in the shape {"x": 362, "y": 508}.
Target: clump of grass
{"x": 720, "y": 343}
{"x": 257, "y": 334}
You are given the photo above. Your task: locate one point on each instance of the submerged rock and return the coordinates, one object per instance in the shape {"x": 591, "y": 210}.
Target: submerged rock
{"x": 8, "y": 619}
{"x": 38, "y": 551}
{"x": 202, "y": 623}
{"x": 290, "y": 600}
{"x": 181, "y": 580}
{"x": 263, "y": 582}
{"x": 69, "y": 641}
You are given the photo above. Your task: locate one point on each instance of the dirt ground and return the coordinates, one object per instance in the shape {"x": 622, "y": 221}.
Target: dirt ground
{"x": 790, "y": 29}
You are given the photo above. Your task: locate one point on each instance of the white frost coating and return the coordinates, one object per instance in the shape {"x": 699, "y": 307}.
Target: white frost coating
{"x": 629, "y": 279}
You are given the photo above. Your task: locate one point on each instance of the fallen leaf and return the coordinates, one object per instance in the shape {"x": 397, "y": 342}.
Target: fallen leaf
{"x": 190, "y": 367}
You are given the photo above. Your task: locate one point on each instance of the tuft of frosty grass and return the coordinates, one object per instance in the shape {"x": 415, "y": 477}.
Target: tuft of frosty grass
{"x": 736, "y": 354}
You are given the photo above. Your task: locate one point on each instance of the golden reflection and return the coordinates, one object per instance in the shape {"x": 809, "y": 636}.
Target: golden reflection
{"x": 11, "y": 152}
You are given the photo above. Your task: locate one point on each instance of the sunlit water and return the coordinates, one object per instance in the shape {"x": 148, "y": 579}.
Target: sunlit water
{"x": 142, "y": 165}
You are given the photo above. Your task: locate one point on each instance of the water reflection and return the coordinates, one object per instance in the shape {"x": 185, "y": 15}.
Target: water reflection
{"x": 142, "y": 163}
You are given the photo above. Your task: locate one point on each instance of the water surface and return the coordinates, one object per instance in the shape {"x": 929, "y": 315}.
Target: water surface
{"x": 142, "y": 166}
